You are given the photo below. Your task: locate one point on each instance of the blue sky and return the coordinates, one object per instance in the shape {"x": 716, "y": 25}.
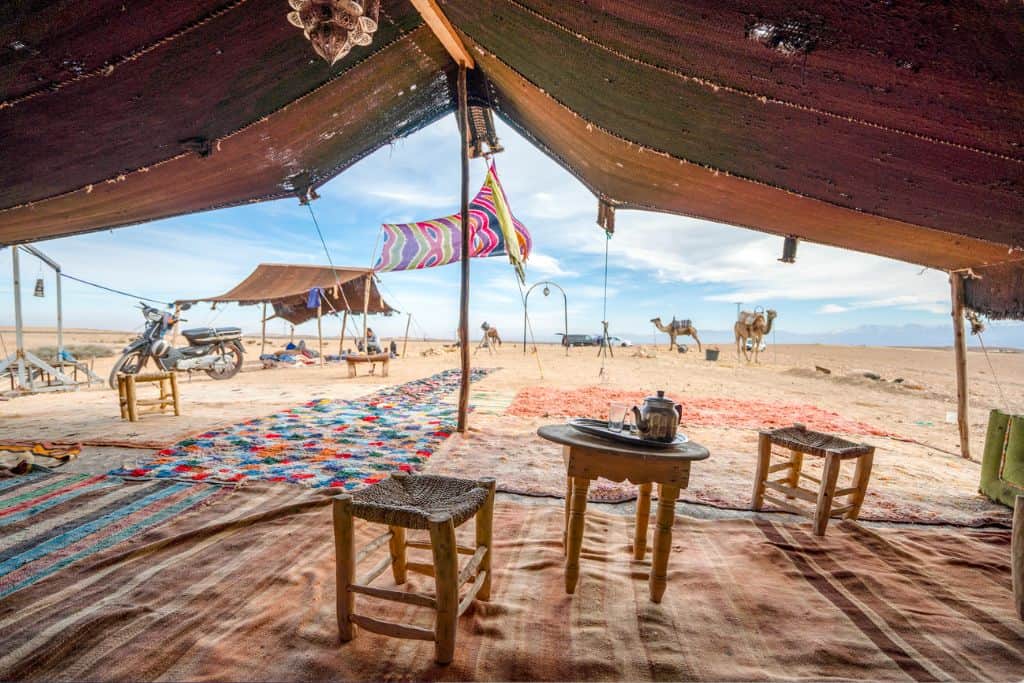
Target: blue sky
{"x": 659, "y": 264}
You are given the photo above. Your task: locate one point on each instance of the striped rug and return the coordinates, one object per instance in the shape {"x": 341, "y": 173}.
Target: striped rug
{"x": 48, "y": 521}
{"x": 244, "y": 590}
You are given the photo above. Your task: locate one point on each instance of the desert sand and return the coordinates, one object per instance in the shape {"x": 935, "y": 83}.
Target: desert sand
{"x": 919, "y": 452}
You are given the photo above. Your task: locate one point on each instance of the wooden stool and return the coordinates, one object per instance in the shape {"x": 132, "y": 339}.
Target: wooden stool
{"x": 382, "y": 358}
{"x": 434, "y": 503}
{"x": 800, "y": 441}
{"x": 127, "y": 394}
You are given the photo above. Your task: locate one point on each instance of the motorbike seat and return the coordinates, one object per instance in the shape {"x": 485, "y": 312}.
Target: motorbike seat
{"x": 207, "y": 334}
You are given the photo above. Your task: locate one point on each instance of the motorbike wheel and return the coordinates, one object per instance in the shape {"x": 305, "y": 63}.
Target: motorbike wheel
{"x": 130, "y": 364}
{"x": 233, "y": 354}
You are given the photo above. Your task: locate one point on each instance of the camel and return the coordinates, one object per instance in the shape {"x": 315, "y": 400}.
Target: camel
{"x": 677, "y": 328}
{"x": 490, "y": 335}
{"x": 752, "y": 326}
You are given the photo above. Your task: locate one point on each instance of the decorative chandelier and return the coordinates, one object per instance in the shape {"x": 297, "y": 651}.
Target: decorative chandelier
{"x": 335, "y": 26}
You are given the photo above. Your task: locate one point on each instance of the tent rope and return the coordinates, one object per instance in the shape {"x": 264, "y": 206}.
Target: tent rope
{"x": 995, "y": 377}
{"x": 115, "y": 291}
{"x": 330, "y": 261}
{"x": 605, "y": 341}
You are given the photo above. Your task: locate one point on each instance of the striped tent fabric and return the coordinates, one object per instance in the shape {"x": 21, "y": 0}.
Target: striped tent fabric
{"x": 48, "y": 521}
{"x": 438, "y": 242}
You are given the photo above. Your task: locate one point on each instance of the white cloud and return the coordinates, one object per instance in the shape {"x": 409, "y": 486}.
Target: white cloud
{"x": 833, "y": 308}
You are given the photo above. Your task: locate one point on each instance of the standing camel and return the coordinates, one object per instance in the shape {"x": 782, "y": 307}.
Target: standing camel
{"x": 491, "y": 334}
{"x": 677, "y": 328}
{"x": 752, "y": 326}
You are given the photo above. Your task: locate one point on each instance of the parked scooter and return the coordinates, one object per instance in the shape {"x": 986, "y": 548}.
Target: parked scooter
{"x": 215, "y": 350}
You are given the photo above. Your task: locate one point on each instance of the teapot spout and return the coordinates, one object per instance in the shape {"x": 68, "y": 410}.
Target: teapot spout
{"x": 641, "y": 423}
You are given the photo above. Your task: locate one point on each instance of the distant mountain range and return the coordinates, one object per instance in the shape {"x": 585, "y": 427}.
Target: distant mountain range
{"x": 996, "y": 336}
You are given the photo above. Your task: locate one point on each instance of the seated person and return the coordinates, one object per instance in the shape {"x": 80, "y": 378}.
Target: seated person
{"x": 372, "y": 345}
{"x": 393, "y": 348}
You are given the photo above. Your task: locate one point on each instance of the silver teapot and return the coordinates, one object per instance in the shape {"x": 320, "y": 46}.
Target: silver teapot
{"x": 658, "y": 418}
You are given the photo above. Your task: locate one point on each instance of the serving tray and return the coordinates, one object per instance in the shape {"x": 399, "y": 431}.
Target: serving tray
{"x": 628, "y": 435}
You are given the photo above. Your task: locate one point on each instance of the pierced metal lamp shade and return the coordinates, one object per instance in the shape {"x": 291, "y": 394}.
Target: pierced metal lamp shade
{"x": 334, "y": 27}
{"x": 40, "y": 292}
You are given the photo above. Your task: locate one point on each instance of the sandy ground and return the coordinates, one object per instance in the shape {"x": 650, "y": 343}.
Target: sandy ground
{"x": 917, "y": 409}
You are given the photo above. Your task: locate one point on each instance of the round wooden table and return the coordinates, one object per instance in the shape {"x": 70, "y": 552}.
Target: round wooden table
{"x": 589, "y": 457}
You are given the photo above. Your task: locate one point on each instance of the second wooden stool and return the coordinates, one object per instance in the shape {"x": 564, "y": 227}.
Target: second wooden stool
{"x": 800, "y": 441}
{"x": 127, "y": 391}
{"x": 434, "y": 503}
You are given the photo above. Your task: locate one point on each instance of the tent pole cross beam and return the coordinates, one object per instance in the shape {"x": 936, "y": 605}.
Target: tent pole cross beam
{"x": 464, "y": 262}
{"x": 445, "y": 32}
{"x": 956, "y": 282}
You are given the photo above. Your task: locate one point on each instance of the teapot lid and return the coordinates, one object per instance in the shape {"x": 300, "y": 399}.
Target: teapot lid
{"x": 660, "y": 398}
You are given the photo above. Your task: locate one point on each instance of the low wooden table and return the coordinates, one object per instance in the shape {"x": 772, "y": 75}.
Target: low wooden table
{"x": 589, "y": 457}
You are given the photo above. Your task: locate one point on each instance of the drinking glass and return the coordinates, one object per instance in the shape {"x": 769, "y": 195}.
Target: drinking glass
{"x": 616, "y": 415}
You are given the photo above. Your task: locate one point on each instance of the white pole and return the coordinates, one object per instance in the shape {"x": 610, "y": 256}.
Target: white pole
{"x": 19, "y": 341}
{"x": 60, "y": 321}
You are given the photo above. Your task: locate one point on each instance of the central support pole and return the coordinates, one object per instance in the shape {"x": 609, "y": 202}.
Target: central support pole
{"x": 263, "y": 330}
{"x": 464, "y": 262}
{"x": 366, "y": 311}
{"x": 956, "y": 282}
{"x": 344, "y": 322}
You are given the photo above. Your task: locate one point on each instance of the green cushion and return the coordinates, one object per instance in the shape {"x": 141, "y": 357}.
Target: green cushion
{"x": 1002, "y": 466}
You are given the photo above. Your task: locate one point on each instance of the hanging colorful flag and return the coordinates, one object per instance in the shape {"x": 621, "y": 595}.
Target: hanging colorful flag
{"x": 493, "y": 229}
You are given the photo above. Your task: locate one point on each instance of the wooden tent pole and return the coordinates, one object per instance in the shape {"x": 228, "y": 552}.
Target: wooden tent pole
{"x": 366, "y": 309}
{"x": 344, "y": 323}
{"x": 464, "y": 263}
{"x": 174, "y": 328}
{"x": 1017, "y": 555}
{"x": 405, "y": 342}
{"x": 263, "y": 331}
{"x": 320, "y": 329}
{"x": 956, "y": 282}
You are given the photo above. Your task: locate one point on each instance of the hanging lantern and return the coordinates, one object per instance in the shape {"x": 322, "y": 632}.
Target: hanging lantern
{"x": 333, "y": 27}
{"x": 39, "y": 288}
{"x": 789, "y": 249}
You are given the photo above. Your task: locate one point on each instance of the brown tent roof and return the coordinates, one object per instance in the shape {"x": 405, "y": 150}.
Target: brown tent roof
{"x": 889, "y": 128}
{"x": 287, "y": 288}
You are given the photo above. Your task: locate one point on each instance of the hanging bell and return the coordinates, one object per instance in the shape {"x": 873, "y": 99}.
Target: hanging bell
{"x": 40, "y": 292}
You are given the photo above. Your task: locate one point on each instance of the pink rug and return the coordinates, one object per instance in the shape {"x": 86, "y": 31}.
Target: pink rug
{"x": 697, "y": 411}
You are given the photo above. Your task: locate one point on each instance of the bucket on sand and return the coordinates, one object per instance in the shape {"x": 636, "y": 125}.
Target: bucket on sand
{"x": 710, "y": 354}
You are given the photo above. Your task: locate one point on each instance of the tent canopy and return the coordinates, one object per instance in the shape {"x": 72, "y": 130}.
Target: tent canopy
{"x": 287, "y": 288}
{"x": 888, "y": 128}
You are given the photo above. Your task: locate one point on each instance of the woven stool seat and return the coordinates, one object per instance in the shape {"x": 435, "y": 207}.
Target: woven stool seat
{"x": 410, "y": 501}
{"x": 802, "y": 441}
{"x": 815, "y": 443}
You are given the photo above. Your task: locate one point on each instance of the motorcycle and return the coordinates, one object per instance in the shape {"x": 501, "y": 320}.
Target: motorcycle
{"x": 215, "y": 350}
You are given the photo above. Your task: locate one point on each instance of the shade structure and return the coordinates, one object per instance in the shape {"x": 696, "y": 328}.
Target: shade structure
{"x": 287, "y": 288}
{"x": 888, "y": 128}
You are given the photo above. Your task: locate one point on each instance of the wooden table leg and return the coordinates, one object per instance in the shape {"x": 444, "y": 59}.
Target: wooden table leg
{"x": 667, "y": 495}
{"x": 764, "y": 459}
{"x": 568, "y": 506}
{"x": 643, "y": 516}
{"x": 580, "y": 486}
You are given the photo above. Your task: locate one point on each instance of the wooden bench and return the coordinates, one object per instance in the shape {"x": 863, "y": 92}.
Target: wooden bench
{"x": 373, "y": 359}
{"x": 127, "y": 392}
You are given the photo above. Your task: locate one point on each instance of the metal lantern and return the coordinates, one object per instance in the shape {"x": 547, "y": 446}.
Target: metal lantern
{"x": 333, "y": 27}
{"x": 39, "y": 292}
{"x": 789, "y": 250}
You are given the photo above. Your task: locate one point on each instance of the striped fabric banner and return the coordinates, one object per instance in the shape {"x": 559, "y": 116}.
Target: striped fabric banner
{"x": 48, "y": 521}
{"x": 438, "y": 242}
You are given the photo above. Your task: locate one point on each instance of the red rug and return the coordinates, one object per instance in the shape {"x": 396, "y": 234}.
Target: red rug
{"x": 697, "y": 411}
